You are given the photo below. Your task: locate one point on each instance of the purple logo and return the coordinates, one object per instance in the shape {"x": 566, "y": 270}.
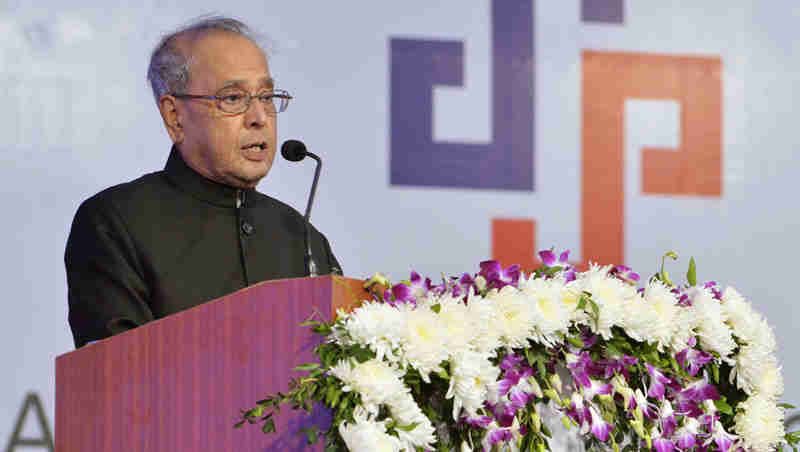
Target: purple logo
{"x": 417, "y": 66}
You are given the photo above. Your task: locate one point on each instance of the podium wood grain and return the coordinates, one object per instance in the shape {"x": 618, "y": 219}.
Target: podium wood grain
{"x": 179, "y": 383}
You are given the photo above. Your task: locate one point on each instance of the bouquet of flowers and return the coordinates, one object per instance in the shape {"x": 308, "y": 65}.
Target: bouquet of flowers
{"x": 469, "y": 364}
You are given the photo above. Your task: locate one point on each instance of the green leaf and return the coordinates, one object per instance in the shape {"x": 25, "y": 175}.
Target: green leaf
{"x": 691, "y": 275}
{"x": 576, "y": 341}
{"x": 269, "y": 426}
{"x": 541, "y": 368}
{"x": 529, "y": 357}
{"x": 787, "y": 406}
{"x": 436, "y": 308}
{"x": 335, "y": 400}
{"x": 407, "y": 428}
{"x": 306, "y": 367}
{"x": 715, "y": 373}
{"x": 723, "y": 407}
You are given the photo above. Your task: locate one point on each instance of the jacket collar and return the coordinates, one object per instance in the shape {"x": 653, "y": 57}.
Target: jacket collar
{"x": 200, "y": 187}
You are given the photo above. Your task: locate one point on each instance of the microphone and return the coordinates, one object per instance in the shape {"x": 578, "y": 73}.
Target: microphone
{"x": 295, "y": 151}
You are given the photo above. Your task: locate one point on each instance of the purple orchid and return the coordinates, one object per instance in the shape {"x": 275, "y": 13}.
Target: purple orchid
{"x": 617, "y": 364}
{"x": 549, "y": 259}
{"x": 693, "y": 360}
{"x": 478, "y": 421}
{"x": 688, "y": 401}
{"x": 687, "y": 435}
{"x": 600, "y": 428}
{"x": 663, "y": 445}
{"x": 596, "y": 388}
{"x": 723, "y": 439}
{"x": 667, "y": 415}
{"x": 403, "y": 293}
{"x": 464, "y": 284}
{"x": 578, "y": 411}
{"x": 661, "y": 441}
{"x": 626, "y": 274}
{"x": 499, "y": 435}
{"x": 498, "y": 277}
{"x": 511, "y": 361}
{"x": 648, "y": 409}
{"x": 716, "y": 292}
{"x": 657, "y": 382}
{"x": 580, "y": 366}
{"x": 700, "y": 391}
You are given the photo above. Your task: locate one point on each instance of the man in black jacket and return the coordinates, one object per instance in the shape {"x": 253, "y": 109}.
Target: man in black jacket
{"x": 198, "y": 229}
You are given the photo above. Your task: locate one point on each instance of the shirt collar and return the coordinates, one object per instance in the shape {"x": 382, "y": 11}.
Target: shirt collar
{"x": 200, "y": 187}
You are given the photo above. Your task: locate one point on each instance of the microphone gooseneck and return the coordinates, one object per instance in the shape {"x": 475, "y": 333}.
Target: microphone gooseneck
{"x": 295, "y": 151}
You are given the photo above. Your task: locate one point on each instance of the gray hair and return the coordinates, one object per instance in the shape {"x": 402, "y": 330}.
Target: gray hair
{"x": 168, "y": 71}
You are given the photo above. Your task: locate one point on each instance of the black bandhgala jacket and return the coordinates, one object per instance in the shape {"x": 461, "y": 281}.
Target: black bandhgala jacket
{"x": 171, "y": 240}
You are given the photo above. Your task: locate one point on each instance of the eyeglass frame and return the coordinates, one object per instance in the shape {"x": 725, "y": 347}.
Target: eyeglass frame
{"x": 279, "y": 93}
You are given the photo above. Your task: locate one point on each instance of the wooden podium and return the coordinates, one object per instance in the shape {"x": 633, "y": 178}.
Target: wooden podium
{"x": 179, "y": 383}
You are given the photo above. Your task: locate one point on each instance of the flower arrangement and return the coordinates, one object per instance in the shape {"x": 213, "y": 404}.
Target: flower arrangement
{"x": 469, "y": 364}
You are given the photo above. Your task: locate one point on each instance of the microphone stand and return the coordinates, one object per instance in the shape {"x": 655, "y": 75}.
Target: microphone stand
{"x": 311, "y": 266}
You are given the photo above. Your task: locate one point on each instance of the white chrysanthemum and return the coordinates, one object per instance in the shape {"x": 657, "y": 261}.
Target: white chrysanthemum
{"x": 652, "y": 318}
{"x": 424, "y": 341}
{"x": 741, "y": 317}
{"x": 376, "y": 325}
{"x": 550, "y": 315}
{"x": 472, "y": 377}
{"x": 712, "y": 331}
{"x": 760, "y": 425}
{"x": 405, "y": 412}
{"x": 770, "y": 383}
{"x": 515, "y": 319}
{"x": 375, "y": 380}
{"x": 684, "y": 329}
{"x": 460, "y": 327}
{"x": 756, "y": 367}
{"x": 487, "y": 327}
{"x": 570, "y": 297}
{"x": 366, "y": 435}
{"x": 611, "y": 295}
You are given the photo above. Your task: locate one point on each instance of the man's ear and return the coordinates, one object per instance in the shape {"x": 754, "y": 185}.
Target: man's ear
{"x": 170, "y": 113}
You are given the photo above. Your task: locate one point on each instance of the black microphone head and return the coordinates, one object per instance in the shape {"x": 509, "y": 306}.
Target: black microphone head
{"x": 293, "y": 150}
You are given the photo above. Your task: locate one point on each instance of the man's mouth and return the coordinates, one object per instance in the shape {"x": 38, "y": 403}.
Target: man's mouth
{"x": 255, "y": 147}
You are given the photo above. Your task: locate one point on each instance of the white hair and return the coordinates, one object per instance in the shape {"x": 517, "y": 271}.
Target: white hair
{"x": 168, "y": 71}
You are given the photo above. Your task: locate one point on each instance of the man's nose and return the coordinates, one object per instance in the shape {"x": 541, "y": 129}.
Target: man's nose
{"x": 256, "y": 116}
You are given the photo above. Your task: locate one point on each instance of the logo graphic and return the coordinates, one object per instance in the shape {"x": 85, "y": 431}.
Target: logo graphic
{"x": 609, "y": 79}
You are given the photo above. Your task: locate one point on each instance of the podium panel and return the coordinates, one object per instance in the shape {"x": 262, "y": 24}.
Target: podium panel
{"x": 179, "y": 383}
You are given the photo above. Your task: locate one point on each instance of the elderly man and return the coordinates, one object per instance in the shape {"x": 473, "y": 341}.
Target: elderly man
{"x": 198, "y": 229}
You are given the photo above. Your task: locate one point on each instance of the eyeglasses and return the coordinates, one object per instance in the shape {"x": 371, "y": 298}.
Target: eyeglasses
{"x": 236, "y": 101}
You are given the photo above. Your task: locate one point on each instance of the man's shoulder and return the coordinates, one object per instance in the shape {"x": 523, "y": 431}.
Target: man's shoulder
{"x": 128, "y": 194}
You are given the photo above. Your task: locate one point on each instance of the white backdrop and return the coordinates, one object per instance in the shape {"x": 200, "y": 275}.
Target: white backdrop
{"x": 78, "y": 116}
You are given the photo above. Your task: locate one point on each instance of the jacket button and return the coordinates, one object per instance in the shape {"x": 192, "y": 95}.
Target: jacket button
{"x": 247, "y": 228}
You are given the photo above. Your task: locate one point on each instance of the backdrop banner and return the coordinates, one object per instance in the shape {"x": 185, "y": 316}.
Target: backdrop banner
{"x": 452, "y": 132}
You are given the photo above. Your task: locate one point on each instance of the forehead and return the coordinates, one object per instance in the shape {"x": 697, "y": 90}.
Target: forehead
{"x": 221, "y": 59}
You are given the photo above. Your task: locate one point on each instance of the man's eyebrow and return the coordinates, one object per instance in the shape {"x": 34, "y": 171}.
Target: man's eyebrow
{"x": 269, "y": 82}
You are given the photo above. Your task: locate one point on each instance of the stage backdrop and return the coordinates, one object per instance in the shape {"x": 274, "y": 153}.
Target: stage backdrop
{"x": 451, "y": 132}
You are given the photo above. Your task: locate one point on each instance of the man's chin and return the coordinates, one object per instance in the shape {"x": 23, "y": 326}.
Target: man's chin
{"x": 250, "y": 177}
